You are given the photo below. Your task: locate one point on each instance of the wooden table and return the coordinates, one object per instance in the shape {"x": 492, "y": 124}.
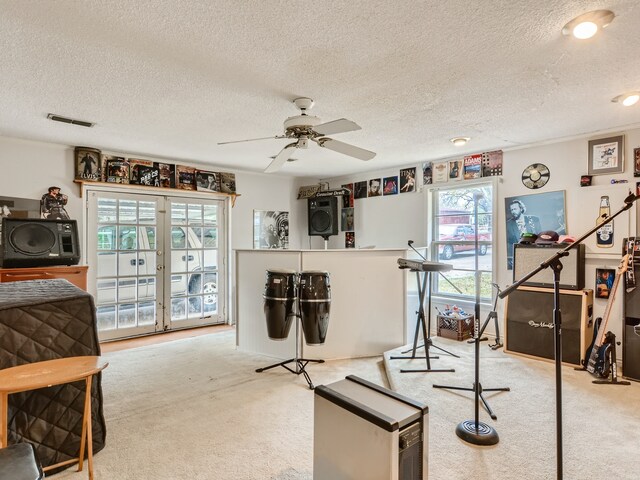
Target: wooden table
{"x": 32, "y": 376}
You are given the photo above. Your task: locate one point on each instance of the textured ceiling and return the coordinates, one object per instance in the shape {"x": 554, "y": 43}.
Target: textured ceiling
{"x": 171, "y": 78}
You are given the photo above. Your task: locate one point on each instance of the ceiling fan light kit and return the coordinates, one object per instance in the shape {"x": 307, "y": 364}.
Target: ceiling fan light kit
{"x": 587, "y": 25}
{"x": 305, "y": 127}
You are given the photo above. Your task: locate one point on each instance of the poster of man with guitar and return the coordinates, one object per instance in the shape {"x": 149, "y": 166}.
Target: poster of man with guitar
{"x": 600, "y": 357}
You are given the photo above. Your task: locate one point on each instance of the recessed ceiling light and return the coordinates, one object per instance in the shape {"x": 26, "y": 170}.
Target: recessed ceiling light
{"x": 459, "y": 141}
{"x": 587, "y": 25}
{"x": 627, "y": 99}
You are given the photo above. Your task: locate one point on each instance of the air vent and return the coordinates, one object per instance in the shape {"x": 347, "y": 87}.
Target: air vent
{"x": 58, "y": 118}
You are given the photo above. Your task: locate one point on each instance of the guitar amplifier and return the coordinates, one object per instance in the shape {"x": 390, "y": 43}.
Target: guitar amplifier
{"x": 528, "y": 257}
{"x": 529, "y": 323}
{"x": 631, "y": 332}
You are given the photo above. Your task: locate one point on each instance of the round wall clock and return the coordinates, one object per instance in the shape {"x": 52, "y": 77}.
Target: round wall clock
{"x": 535, "y": 175}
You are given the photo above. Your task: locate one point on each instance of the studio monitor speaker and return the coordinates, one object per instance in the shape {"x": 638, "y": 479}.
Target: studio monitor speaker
{"x": 529, "y": 323}
{"x": 528, "y": 257}
{"x": 31, "y": 242}
{"x": 323, "y": 216}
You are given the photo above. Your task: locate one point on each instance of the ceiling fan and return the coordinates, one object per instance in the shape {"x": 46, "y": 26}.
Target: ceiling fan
{"x": 303, "y": 128}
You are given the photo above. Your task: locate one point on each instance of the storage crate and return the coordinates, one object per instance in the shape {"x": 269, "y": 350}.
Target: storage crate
{"x": 456, "y": 328}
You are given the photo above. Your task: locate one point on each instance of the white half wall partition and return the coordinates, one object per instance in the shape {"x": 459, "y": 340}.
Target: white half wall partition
{"x": 368, "y": 301}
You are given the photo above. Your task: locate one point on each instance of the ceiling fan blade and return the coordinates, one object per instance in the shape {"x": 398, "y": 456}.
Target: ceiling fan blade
{"x": 281, "y": 158}
{"x": 252, "y": 139}
{"x": 336, "y": 126}
{"x": 346, "y": 149}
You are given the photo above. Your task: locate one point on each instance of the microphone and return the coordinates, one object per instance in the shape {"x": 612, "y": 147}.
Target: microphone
{"x": 631, "y": 198}
{"x": 410, "y": 243}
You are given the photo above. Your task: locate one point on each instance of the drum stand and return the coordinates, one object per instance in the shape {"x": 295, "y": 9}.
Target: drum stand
{"x": 300, "y": 363}
{"x": 426, "y": 329}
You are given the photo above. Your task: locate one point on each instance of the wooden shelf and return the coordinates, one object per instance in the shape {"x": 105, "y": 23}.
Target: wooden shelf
{"x": 158, "y": 190}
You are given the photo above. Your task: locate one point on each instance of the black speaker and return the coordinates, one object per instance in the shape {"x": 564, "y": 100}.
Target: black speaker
{"x": 31, "y": 242}
{"x": 323, "y": 216}
{"x": 528, "y": 257}
{"x": 529, "y": 323}
{"x": 631, "y": 332}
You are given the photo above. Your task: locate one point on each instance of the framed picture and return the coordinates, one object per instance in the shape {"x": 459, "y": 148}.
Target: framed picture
{"x": 408, "y": 180}
{"x": 636, "y": 162}
{"x": 604, "y": 281}
{"x": 270, "y": 229}
{"x": 88, "y": 164}
{"x": 540, "y": 212}
{"x": 606, "y": 155}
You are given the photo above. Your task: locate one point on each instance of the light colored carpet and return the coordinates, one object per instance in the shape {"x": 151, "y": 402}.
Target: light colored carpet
{"x": 601, "y": 423}
{"x": 195, "y": 409}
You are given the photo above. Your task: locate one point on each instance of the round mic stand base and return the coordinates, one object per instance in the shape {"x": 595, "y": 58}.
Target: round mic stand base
{"x": 477, "y": 433}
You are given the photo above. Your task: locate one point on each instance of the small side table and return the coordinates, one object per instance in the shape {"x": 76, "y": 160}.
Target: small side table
{"x": 32, "y": 376}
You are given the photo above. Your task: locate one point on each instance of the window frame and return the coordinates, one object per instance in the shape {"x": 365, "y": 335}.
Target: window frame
{"x": 434, "y": 244}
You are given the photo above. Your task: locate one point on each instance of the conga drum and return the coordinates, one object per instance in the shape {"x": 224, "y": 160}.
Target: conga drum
{"x": 279, "y": 298}
{"x": 315, "y": 303}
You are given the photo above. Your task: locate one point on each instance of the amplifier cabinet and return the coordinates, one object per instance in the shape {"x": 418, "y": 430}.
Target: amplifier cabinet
{"x": 631, "y": 332}
{"x": 365, "y": 431}
{"x": 528, "y": 257}
{"x": 529, "y": 326}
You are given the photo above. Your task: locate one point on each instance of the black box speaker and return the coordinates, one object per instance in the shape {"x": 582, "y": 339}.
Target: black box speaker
{"x": 323, "y": 216}
{"x": 529, "y": 323}
{"x": 528, "y": 257}
{"x": 32, "y": 242}
{"x": 631, "y": 332}
{"x": 631, "y": 349}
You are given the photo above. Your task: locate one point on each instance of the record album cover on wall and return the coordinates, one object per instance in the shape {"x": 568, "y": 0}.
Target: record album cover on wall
{"x": 360, "y": 189}
{"x": 408, "y": 180}
{"x": 270, "y": 229}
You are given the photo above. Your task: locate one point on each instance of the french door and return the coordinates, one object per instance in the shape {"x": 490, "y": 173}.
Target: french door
{"x": 156, "y": 262}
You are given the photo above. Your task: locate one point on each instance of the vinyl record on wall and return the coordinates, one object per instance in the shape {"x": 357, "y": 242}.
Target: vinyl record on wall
{"x": 535, "y": 176}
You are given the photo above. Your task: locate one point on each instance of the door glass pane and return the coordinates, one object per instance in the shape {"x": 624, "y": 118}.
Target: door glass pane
{"x": 194, "y": 261}
{"x": 126, "y": 276}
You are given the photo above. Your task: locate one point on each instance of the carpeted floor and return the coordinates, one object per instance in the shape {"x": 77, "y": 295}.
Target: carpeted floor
{"x": 600, "y": 423}
{"x": 195, "y": 409}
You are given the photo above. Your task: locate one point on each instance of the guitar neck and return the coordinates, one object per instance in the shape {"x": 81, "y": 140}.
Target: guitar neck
{"x": 607, "y": 311}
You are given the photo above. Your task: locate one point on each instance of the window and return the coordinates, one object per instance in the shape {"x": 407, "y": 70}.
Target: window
{"x": 454, "y": 227}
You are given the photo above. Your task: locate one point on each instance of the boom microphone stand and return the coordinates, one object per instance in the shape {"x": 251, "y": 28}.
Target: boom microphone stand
{"x": 474, "y": 431}
{"x": 554, "y": 263}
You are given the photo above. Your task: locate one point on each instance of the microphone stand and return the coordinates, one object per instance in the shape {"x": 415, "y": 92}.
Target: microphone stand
{"x": 475, "y": 431}
{"x": 554, "y": 263}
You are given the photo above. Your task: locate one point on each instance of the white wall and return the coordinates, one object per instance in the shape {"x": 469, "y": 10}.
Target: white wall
{"x": 29, "y": 168}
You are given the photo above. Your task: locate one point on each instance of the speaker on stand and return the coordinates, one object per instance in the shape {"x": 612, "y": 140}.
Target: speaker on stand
{"x": 34, "y": 242}
{"x": 323, "y": 217}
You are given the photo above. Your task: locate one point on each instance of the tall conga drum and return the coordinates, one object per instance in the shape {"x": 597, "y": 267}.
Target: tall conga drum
{"x": 279, "y": 299}
{"x": 315, "y": 303}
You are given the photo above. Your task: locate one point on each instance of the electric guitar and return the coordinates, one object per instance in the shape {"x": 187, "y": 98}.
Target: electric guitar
{"x": 598, "y": 352}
